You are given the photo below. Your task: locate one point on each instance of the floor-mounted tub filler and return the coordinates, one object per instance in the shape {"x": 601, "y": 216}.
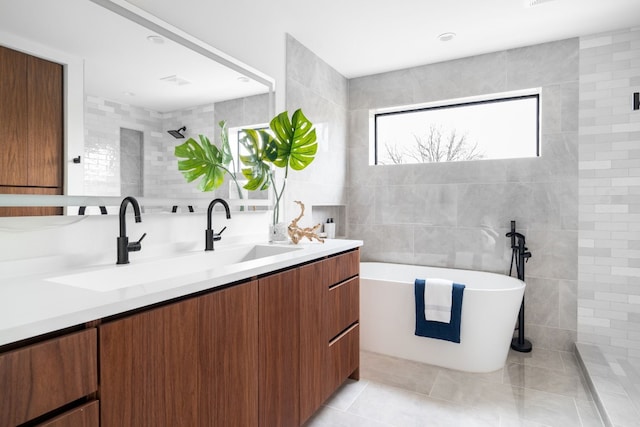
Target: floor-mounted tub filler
{"x": 489, "y": 311}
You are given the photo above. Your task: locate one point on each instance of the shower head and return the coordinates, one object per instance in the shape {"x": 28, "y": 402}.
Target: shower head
{"x": 177, "y": 133}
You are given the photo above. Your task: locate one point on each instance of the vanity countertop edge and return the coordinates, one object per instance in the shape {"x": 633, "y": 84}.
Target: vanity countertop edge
{"x": 31, "y": 306}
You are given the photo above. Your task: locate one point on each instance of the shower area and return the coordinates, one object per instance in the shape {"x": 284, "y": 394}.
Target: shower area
{"x": 609, "y": 232}
{"x": 131, "y": 162}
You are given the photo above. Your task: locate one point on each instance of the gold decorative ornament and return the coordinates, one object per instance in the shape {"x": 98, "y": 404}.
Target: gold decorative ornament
{"x": 296, "y": 233}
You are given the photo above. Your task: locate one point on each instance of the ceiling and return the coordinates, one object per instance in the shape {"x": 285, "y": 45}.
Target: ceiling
{"x": 120, "y": 62}
{"x": 362, "y": 37}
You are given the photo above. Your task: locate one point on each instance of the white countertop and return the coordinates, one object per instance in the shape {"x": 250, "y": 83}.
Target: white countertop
{"x": 33, "y": 305}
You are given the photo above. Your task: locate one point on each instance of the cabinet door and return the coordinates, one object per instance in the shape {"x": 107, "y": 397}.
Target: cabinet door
{"x": 43, "y": 377}
{"x": 13, "y": 117}
{"x": 44, "y": 130}
{"x": 148, "y": 368}
{"x": 279, "y": 349}
{"x": 314, "y": 387}
{"x": 87, "y": 415}
{"x": 228, "y": 334}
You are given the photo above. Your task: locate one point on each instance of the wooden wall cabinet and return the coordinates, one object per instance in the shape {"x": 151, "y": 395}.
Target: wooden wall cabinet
{"x": 190, "y": 363}
{"x": 31, "y": 114}
{"x": 40, "y": 378}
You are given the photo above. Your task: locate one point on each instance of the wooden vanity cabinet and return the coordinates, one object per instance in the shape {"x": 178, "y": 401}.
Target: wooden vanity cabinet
{"x": 309, "y": 342}
{"x": 279, "y": 371}
{"x": 189, "y": 363}
{"x": 39, "y": 379}
{"x": 329, "y": 316}
{"x": 87, "y": 415}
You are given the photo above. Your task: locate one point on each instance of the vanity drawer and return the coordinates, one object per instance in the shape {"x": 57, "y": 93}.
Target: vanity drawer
{"x": 343, "y": 306}
{"x": 45, "y": 376}
{"x": 344, "y": 356}
{"x": 87, "y": 415}
{"x": 343, "y": 266}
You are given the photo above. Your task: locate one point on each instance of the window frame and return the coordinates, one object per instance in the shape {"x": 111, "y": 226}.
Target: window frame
{"x": 453, "y": 103}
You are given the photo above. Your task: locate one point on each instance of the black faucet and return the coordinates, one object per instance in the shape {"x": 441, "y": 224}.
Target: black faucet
{"x": 210, "y": 236}
{"x": 124, "y": 247}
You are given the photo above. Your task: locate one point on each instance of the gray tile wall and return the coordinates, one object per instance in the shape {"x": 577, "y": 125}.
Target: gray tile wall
{"x": 456, "y": 214}
{"x": 321, "y": 92}
{"x": 609, "y": 185}
{"x": 101, "y": 158}
{"x": 104, "y": 118}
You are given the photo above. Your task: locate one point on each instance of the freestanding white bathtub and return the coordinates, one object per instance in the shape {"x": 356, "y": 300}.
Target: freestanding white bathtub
{"x": 490, "y": 308}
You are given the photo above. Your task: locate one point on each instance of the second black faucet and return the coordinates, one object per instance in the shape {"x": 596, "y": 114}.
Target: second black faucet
{"x": 210, "y": 236}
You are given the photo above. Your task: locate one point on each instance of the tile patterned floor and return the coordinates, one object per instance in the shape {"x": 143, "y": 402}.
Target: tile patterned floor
{"x": 541, "y": 388}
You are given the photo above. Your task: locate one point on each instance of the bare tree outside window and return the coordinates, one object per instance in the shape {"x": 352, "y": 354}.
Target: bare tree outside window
{"x": 434, "y": 147}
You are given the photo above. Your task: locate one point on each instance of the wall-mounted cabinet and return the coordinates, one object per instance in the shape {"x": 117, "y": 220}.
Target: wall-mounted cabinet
{"x": 31, "y": 114}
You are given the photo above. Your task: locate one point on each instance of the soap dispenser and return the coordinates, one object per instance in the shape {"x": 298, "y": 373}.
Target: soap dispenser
{"x": 330, "y": 228}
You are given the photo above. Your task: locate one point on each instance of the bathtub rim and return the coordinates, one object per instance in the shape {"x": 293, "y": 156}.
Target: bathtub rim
{"x": 520, "y": 283}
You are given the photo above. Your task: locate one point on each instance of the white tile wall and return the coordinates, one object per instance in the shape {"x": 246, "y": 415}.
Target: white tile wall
{"x": 609, "y": 188}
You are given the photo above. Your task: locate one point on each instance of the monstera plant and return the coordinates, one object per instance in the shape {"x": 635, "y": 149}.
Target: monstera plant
{"x": 202, "y": 159}
{"x": 290, "y": 143}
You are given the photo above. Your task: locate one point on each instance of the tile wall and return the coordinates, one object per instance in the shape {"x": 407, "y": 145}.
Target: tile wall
{"x": 456, "y": 214}
{"x": 321, "y": 92}
{"x": 102, "y": 156}
{"x": 609, "y": 185}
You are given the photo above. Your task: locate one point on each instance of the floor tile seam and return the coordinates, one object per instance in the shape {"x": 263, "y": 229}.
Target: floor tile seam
{"x": 545, "y": 391}
{"x": 582, "y": 422}
{"x": 362, "y": 417}
{"x": 357, "y": 395}
{"x": 539, "y": 424}
{"x": 600, "y": 406}
{"x": 549, "y": 370}
{"x": 585, "y": 387}
{"x": 501, "y": 412}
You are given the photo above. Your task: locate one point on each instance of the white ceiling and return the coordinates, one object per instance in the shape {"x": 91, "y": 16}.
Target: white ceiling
{"x": 356, "y": 37}
{"x": 362, "y": 37}
{"x": 119, "y": 62}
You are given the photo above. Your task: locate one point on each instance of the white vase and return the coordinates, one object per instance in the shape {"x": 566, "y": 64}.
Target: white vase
{"x": 278, "y": 233}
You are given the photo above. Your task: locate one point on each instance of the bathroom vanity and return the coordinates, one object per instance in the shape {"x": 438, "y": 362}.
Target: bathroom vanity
{"x": 261, "y": 342}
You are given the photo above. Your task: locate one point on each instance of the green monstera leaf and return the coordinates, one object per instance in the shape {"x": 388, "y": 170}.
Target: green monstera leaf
{"x": 262, "y": 150}
{"x": 292, "y": 146}
{"x": 204, "y": 160}
{"x": 295, "y": 139}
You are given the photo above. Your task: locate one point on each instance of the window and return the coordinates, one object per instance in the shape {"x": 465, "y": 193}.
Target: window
{"x": 502, "y": 126}
{"x": 235, "y": 136}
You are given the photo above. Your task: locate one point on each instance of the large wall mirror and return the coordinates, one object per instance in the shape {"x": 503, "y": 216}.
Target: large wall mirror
{"x": 130, "y": 79}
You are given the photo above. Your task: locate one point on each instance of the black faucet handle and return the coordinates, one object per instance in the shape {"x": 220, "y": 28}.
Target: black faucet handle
{"x": 136, "y": 246}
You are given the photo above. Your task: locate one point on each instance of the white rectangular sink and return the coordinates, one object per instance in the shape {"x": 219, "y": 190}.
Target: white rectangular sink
{"x": 124, "y": 276}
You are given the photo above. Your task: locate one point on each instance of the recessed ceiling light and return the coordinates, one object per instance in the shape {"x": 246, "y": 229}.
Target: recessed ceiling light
{"x": 128, "y": 93}
{"x": 176, "y": 80}
{"x": 244, "y": 79}
{"x": 531, "y": 3}
{"x": 155, "y": 39}
{"x": 445, "y": 37}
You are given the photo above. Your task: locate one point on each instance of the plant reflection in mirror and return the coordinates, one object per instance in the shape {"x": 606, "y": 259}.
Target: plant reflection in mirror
{"x": 204, "y": 159}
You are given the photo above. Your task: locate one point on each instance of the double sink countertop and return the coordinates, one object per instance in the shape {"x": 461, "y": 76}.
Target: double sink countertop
{"x": 36, "y": 304}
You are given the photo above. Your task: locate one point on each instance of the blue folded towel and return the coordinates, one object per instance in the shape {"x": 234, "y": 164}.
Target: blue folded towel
{"x": 439, "y": 330}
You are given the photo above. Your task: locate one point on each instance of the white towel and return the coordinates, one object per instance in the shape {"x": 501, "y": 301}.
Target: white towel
{"x": 437, "y": 300}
